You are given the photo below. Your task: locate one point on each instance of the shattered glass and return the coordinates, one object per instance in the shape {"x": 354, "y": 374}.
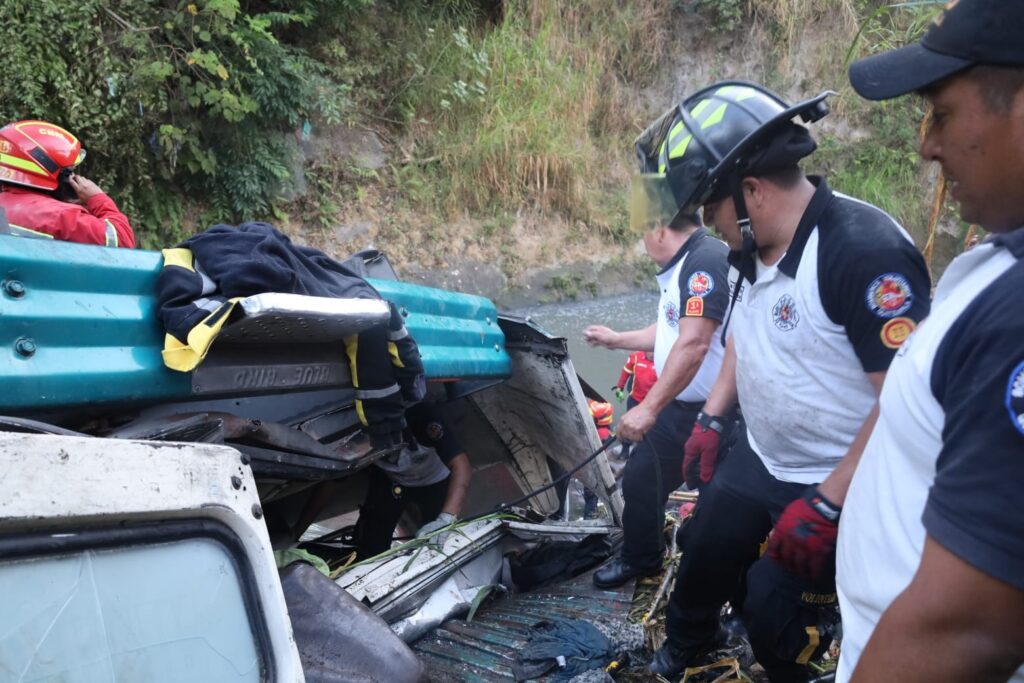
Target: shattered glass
{"x": 161, "y": 612}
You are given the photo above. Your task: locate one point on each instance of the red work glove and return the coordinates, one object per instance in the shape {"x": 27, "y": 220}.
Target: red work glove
{"x": 805, "y": 534}
{"x": 701, "y": 450}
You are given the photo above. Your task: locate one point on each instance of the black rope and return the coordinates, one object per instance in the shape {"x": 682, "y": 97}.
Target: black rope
{"x": 505, "y": 506}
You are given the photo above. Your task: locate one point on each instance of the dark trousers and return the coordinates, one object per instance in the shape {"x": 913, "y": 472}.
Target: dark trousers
{"x": 627, "y": 446}
{"x": 654, "y": 470}
{"x": 788, "y": 620}
{"x": 385, "y": 502}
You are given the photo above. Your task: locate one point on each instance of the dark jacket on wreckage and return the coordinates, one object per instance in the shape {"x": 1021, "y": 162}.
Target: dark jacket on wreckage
{"x": 205, "y": 276}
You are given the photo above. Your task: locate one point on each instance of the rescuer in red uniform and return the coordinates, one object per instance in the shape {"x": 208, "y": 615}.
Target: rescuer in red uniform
{"x": 43, "y": 196}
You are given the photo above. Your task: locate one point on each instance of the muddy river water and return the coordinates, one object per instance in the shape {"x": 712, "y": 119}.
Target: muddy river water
{"x": 599, "y": 367}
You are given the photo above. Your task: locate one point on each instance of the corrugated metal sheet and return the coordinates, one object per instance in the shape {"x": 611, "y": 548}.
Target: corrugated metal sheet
{"x": 483, "y": 650}
{"x": 78, "y": 301}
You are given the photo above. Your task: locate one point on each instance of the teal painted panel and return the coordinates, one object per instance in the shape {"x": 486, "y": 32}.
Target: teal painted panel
{"x": 90, "y": 314}
{"x": 458, "y": 334}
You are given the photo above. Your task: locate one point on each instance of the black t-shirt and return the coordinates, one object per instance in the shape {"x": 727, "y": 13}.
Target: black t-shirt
{"x": 427, "y": 427}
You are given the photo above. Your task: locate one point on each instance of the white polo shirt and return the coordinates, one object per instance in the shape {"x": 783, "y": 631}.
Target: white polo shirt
{"x": 808, "y": 329}
{"x": 946, "y": 457}
{"x": 693, "y": 285}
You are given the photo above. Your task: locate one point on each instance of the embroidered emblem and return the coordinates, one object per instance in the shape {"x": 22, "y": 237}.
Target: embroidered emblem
{"x": 695, "y": 307}
{"x": 785, "y": 314}
{"x": 896, "y": 331}
{"x": 1015, "y": 397}
{"x": 435, "y": 431}
{"x": 700, "y": 284}
{"x": 889, "y": 295}
{"x": 671, "y": 314}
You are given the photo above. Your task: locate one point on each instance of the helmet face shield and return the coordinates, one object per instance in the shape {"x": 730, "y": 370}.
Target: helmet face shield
{"x": 652, "y": 204}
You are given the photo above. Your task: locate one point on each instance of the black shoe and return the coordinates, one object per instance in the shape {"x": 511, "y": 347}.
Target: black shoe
{"x": 618, "y": 572}
{"x": 670, "y": 661}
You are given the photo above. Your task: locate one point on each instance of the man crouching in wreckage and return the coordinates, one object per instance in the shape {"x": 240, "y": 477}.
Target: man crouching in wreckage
{"x": 824, "y": 289}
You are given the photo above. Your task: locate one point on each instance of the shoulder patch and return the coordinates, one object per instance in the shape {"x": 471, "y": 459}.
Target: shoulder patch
{"x": 435, "y": 431}
{"x": 695, "y": 307}
{"x": 1015, "y": 397}
{"x": 785, "y": 315}
{"x": 889, "y": 295}
{"x": 700, "y": 284}
{"x": 896, "y": 331}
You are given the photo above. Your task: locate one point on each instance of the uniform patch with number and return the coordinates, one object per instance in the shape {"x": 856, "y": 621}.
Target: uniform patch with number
{"x": 889, "y": 295}
{"x": 896, "y": 331}
{"x": 1015, "y": 397}
{"x": 785, "y": 314}
{"x": 435, "y": 431}
{"x": 700, "y": 284}
{"x": 695, "y": 307}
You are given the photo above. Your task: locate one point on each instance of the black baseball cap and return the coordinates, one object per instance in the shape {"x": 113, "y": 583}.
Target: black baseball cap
{"x": 966, "y": 33}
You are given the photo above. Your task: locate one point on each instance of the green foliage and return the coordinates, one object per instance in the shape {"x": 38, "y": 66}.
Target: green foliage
{"x": 884, "y": 170}
{"x": 528, "y": 111}
{"x": 726, "y": 15}
{"x": 195, "y": 99}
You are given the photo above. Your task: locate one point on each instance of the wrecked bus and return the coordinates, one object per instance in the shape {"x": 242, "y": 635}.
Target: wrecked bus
{"x": 108, "y": 455}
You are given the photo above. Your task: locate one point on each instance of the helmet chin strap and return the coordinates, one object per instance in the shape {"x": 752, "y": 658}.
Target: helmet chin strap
{"x": 749, "y": 246}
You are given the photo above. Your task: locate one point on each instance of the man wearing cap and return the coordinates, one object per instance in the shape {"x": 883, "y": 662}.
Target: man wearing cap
{"x": 931, "y": 547}
{"x": 825, "y": 288}
{"x": 686, "y": 357}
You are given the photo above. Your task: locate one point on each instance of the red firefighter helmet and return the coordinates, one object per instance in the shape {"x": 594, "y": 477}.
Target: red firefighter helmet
{"x": 34, "y": 153}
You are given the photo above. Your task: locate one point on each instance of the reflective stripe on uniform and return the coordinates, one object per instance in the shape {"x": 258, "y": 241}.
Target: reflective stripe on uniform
{"x": 369, "y": 394}
{"x": 111, "y": 233}
{"x": 28, "y": 232}
{"x": 207, "y": 304}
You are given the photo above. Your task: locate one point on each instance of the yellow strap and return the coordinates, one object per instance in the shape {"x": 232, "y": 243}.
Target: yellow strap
{"x": 185, "y": 357}
{"x": 813, "y": 640}
{"x": 396, "y": 360}
{"x": 351, "y": 347}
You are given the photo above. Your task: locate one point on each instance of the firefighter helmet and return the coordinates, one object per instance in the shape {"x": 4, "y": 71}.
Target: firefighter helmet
{"x": 36, "y": 154}
{"x": 731, "y": 129}
{"x": 601, "y": 411}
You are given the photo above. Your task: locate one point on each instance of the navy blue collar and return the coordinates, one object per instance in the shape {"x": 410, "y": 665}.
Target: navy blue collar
{"x": 789, "y": 263}
{"x": 689, "y": 244}
{"x": 1013, "y": 240}
{"x": 812, "y": 214}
